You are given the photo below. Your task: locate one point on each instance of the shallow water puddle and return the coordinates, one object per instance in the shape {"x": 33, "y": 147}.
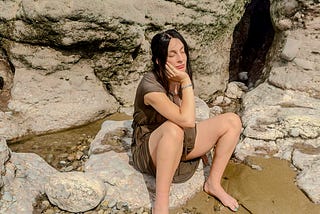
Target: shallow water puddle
{"x": 270, "y": 190}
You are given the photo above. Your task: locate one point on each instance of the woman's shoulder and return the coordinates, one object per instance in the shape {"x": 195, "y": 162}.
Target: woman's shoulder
{"x": 150, "y": 76}
{"x": 149, "y": 82}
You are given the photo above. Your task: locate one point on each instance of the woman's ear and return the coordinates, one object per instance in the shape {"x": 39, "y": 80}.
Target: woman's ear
{"x": 157, "y": 61}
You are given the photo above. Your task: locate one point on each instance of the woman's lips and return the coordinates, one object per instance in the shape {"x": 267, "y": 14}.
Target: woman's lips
{"x": 180, "y": 67}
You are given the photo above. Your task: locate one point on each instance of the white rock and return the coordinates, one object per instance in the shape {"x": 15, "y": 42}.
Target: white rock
{"x": 75, "y": 191}
{"x": 290, "y": 49}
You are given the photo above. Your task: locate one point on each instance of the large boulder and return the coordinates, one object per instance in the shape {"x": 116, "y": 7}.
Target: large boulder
{"x": 76, "y": 62}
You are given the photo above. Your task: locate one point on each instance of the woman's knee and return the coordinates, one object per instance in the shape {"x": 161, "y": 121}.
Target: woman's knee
{"x": 174, "y": 132}
{"x": 233, "y": 120}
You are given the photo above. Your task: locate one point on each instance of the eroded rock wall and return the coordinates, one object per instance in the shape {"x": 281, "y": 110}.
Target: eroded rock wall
{"x": 77, "y": 61}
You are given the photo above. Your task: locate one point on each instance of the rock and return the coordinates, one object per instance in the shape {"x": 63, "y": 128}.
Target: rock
{"x": 281, "y": 115}
{"x": 305, "y": 64}
{"x": 75, "y": 191}
{"x": 308, "y": 180}
{"x": 234, "y": 91}
{"x": 284, "y": 24}
{"x": 304, "y": 160}
{"x": 24, "y": 180}
{"x": 215, "y": 110}
{"x": 202, "y": 109}
{"x": 290, "y": 49}
{"x": 118, "y": 174}
{"x": 5, "y": 154}
{"x": 94, "y": 46}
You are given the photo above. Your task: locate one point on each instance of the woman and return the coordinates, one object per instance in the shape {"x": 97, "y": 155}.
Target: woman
{"x": 167, "y": 142}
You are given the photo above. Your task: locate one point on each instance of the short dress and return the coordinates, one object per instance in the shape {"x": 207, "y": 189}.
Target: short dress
{"x": 145, "y": 120}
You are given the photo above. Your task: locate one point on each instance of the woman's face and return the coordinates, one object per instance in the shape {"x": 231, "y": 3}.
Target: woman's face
{"x": 176, "y": 54}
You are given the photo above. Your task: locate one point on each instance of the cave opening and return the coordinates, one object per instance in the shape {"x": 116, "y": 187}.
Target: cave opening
{"x": 252, "y": 39}
{"x": 7, "y": 71}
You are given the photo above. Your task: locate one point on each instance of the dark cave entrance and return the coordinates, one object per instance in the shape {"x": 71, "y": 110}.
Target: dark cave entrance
{"x": 7, "y": 71}
{"x": 252, "y": 39}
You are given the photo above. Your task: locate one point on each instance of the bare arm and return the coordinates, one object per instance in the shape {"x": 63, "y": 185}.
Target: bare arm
{"x": 184, "y": 115}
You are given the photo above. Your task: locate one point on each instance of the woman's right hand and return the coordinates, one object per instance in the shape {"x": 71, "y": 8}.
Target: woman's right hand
{"x": 175, "y": 74}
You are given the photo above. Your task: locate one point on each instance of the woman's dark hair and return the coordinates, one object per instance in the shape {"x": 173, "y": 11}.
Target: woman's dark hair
{"x": 159, "y": 48}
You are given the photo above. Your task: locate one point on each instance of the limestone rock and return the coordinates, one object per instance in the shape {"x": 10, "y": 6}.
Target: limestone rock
{"x": 303, "y": 160}
{"x": 281, "y": 115}
{"x": 308, "y": 180}
{"x": 202, "y": 109}
{"x": 234, "y": 91}
{"x": 24, "y": 180}
{"x": 5, "y": 154}
{"x": 290, "y": 49}
{"x": 77, "y": 62}
{"x": 110, "y": 160}
{"x": 75, "y": 191}
{"x": 118, "y": 174}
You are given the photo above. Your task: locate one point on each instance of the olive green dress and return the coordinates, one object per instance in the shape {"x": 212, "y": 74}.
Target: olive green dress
{"x": 145, "y": 120}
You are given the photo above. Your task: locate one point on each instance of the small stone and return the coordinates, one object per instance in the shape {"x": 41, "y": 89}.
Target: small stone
{"x": 140, "y": 211}
{"x": 63, "y": 155}
{"x": 218, "y": 101}
{"x": 104, "y": 204}
{"x": 62, "y": 162}
{"x": 215, "y": 110}
{"x": 45, "y": 204}
{"x": 112, "y": 203}
{"x": 79, "y": 154}
{"x": 7, "y": 196}
{"x": 49, "y": 211}
{"x": 101, "y": 212}
{"x": 294, "y": 132}
{"x": 68, "y": 168}
{"x": 256, "y": 167}
{"x": 49, "y": 158}
{"x": 284, "y": 24}
{"x": 233, "y": 91}
{"x": 290, "y": 49}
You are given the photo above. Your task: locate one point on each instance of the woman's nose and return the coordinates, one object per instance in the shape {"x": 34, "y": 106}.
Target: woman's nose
{"x": 180, "y": 57}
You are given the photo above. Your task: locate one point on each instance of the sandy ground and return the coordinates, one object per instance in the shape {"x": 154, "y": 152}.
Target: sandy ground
{"x": 270, "y": 190}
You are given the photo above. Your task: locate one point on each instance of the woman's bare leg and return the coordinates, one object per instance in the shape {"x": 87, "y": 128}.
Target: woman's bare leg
{"x": 222, "y": 131}
{"x": 165, "y": 145}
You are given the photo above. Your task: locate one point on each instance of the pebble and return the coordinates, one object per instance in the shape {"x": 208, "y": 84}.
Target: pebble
{"x": 79, "y": 155}
{"x": 50, "y": 211}
{"x": 45, "y": 204}
{"x": 7, "y": 196}
{"x": 112, "y": 203}
{"x": 68, "y": 168}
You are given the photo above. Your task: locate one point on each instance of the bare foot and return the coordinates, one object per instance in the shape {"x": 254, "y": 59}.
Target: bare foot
{"x": 219, "y": 193}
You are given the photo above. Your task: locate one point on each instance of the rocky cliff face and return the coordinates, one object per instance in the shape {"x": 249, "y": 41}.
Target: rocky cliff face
{"x": 77, "y": 61}
{"x": 281, "y": 115}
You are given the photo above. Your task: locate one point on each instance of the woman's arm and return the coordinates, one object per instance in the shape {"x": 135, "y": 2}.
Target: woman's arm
{"x": 184, "y": 115}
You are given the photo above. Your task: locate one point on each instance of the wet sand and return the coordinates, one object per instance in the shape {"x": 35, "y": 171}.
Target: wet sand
{"x": 271, "y": 190}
